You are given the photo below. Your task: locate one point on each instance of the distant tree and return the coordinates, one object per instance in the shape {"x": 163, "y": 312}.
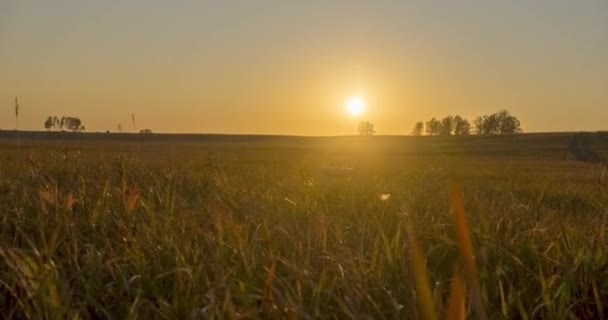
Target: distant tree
{"x": 462, "y": 127}
{"x": 432, "y": 127}
{"x": 498, "y": 123}
{"x": 56, "y": 123}
{"x": 63, "y": 122}
{"x": 67, "y": 123}
{"x": 418, "y": 129}
{"x": 145, "y": 131}
{"x": 447, "y": 126}
{"x": 491, "y": 124}
{"x": 53, "y": 123}
{"x": 73, "y": 124}
{"x": 508, "y": 124}
{"x": 48, "y": 124}
{"x": 478, "y": 125}
{"x": 365, "y": 128}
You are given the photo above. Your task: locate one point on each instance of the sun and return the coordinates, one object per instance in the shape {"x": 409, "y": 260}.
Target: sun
{"x": 355, "y": 106}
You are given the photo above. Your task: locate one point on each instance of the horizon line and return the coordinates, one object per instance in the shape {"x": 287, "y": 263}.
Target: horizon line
{"x": 282, "y": 135}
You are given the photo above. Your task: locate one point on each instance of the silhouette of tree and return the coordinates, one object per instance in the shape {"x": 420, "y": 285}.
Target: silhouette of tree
{"x": 56, "y": 123}
{"x": 68, "y": 123}
{"x": 433, "y": 127}
{"x": 498, "y": 123}
{"x": 491, "y": 124}
{"x": 478, "y": 125}
{"x": 462, "y": 127}
{"x": 418, "y": 129}
{"x": 62, "y": 122}
{"x": 74, "y": 124}
{"x": 48, "y": 124}
{"x": 52, "y": 123}
{"x": 447, "y": 125}
{"x": 365, "y": 128}
{"x": 508, "y": 124}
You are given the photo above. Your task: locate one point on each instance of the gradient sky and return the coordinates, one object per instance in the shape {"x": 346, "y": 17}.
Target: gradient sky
{"x": 286, "y": 66}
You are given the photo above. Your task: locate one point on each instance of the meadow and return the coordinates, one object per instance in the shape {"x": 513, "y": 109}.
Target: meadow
{"x": 126, "y": 226}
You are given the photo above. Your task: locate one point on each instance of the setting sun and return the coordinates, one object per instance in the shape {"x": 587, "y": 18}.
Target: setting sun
{"x": 355, "y": 106}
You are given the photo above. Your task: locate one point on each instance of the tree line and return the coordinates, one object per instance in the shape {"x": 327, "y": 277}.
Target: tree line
{"x": 501, "y": 122}
{"x": 63, "y": 123}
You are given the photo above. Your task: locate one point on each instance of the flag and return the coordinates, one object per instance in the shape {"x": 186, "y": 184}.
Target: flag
{"x": 133, "y": 118}
{"x": 16, "y": 107}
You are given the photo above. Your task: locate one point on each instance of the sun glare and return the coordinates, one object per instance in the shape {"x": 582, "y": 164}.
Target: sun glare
{"x": 355, "y": 106}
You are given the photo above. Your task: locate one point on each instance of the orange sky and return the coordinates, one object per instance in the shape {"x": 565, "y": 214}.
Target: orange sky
{"x": 286, "y": 67}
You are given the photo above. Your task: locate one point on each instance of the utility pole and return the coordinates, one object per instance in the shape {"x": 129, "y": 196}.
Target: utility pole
{"x": 16, "y": 114}
{"x": 133, "y": 119}
{"x": 17, "y": 123}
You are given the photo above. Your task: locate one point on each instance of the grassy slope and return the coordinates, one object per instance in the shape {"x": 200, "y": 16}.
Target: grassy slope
{"x": 191, "y": 226}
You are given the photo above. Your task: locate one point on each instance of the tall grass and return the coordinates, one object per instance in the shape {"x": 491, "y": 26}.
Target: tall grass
{"x": 97, "y": 234}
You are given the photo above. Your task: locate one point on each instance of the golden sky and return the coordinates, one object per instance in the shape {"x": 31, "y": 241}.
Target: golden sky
{"x": 286, "y": 67}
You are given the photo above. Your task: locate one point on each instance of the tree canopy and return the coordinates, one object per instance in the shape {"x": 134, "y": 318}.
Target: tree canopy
{"x": 501, "y": 122}
{"x": 366, "y": 128}
{"x": 65, "y": 123}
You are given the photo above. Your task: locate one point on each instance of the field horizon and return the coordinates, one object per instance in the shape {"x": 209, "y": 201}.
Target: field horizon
{"x": 547, "y": 144}
{"x": 8, "y": 133}
{"x": 241, "y": 226}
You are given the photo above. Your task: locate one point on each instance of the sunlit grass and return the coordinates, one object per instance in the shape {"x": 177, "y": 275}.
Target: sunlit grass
{"x": 98, "y": 235}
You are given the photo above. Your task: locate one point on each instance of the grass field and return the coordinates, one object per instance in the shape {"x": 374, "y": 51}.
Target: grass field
{"x": 198, "y": 227}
